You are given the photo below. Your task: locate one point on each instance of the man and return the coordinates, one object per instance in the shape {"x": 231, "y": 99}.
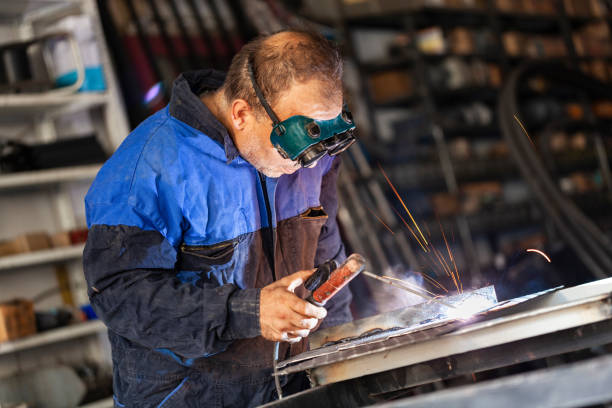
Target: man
{"x": 198, "y": 226}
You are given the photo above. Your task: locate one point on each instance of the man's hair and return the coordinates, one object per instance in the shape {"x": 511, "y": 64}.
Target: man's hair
{"x": 280, "y": 60}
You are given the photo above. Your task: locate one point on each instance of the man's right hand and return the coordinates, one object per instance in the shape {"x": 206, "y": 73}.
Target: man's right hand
{"x": 282, "y": 315}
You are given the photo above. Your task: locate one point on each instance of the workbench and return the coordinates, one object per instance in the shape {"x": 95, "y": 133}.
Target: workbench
{"x": 561, "y": 321}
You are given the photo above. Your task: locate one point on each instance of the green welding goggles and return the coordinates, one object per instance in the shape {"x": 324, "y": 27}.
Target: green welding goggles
{"x": 304, "y": 139}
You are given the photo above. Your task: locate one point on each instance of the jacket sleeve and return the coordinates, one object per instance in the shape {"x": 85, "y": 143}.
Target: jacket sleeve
{"x": 330, "y": 246}
{"x": 136, "y": 289}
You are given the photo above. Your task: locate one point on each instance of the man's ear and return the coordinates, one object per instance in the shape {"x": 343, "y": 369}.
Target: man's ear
{"x": 240, "y": 114}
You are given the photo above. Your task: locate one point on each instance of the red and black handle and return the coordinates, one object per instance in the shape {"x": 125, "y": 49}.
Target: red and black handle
{"x": 329, "y": 278}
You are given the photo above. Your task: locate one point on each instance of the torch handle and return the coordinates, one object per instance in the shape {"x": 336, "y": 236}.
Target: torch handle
{"x": 338, "y": 278}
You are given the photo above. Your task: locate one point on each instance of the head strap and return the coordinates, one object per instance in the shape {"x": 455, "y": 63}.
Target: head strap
{"x": 260, "y": 96}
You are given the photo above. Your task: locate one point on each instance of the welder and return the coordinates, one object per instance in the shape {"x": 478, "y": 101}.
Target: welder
{"x": 207, "y": 213}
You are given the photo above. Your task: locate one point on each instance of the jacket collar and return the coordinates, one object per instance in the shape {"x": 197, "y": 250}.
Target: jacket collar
{"x": 186, "y": 106}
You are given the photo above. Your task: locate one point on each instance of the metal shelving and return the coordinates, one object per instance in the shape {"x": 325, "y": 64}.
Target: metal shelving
{"x": 34, "y": 103}
{"x": 52, "y": 199}
{"x": 47, "y": 256}
{"x": 53, "y": 336}
{"x": 51, "y": 176}
{"x": 418, "y": 177}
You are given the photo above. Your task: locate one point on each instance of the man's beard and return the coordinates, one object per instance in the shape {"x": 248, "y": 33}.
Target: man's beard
{"x": 249, "y": 153}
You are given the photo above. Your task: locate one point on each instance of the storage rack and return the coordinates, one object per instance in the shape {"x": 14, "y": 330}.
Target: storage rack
{"x": 431, "y": 168}
{"x": 52, "y": 199}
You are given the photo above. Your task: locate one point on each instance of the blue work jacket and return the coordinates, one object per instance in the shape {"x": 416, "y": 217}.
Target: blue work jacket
{"x": 183, "y": 233}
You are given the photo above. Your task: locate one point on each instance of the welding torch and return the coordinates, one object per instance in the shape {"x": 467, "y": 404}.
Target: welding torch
{"x": 406, "y": 288}
{"x": 327, "y": 280}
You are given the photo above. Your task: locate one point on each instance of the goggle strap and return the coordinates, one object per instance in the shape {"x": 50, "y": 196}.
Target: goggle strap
{"x": 260, "y": 96}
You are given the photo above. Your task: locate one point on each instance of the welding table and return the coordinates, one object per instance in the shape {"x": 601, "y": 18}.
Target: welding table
{"x": 559, "y": 322}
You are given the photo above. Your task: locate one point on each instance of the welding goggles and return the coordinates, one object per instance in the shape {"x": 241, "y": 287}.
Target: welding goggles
{"x": 304, "y": 139}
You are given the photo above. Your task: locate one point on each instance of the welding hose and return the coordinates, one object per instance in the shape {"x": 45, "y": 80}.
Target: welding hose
{"x": 592, "y": 246}
{"x": 279, "y": 389}
{"x": 558, "y": 208}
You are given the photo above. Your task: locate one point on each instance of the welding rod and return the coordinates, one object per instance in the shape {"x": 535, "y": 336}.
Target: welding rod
{"x": 413, "y": 291}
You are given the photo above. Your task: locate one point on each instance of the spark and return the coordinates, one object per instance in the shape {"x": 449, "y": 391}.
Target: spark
{"x": 524, "y": 130}
{"x": 432, "y": 280}
{"x": 445, "y": 266}
{"x": 537, "y": 251}
{"x": 403, "y": 204}
{"x": 381, "y": 221}
{"x": 410, "y": 229}
{"x": 450, "y": 254}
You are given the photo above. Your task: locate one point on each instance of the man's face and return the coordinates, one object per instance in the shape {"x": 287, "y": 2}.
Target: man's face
{"x": 301, "y": 99}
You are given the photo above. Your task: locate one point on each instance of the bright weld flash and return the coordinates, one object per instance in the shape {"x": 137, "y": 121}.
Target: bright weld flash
{"x": 537, "y": 251}
{"x": 468, "y": 307}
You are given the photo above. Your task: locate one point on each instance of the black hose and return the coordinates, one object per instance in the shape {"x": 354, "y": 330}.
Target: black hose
{"x": 591, "y": 245}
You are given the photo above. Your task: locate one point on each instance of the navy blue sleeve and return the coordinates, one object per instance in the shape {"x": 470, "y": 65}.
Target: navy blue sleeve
{"x": 134, "y": 288}
{"x": 330, "y": 246}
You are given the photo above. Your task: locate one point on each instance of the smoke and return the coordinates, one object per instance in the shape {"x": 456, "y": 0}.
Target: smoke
{"x": 388, "y": 298}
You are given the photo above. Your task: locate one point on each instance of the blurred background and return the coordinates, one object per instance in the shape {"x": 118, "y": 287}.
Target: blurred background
{"x": 484, "y": 133}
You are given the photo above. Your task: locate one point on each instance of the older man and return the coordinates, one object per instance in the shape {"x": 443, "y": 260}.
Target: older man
{"x": 198, "y": 225}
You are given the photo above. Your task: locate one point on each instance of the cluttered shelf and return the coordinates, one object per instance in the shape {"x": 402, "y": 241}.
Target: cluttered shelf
{"x": 40, "y": 177}
{"x": 52, "y": 336}
{"x": 41, "y": 257}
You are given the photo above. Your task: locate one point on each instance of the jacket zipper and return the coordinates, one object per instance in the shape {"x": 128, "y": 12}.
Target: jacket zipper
{"x": 272, "y": 233}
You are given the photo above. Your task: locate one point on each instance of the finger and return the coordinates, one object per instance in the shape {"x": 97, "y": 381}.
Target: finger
{"x": 308, "y": 309}
{"x": 300, "y": 333}
{"x": 285, "y": 337}
{"x": 309, "y": 323}
{"x": 290, "y": 320}
{"x": 294, "y": 285}
{"x": 286, "y": 281}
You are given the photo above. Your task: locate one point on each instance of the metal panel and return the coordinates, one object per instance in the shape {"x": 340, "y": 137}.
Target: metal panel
{"x": 410, "y": 317}
{"x": 575, "y": 385}
{"x": 372, "y": 388}
{"x": 553, "y": 312}
{"x": 472, "y": 337}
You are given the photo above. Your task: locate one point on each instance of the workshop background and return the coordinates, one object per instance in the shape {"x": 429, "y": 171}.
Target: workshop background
{"x": 484, "y": 135}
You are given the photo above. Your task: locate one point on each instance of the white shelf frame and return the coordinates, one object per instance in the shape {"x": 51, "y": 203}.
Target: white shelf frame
{"x": 43, "y": 257}
{"x": 51, "y": 176}
{"x": 52, "y": 336}
{"x": 36, "y": 103}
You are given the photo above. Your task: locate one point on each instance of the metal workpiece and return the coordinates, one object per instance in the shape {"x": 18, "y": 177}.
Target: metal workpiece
{"x": 507, "y": 322}
{"x": 373, "y": 388}
{"x": 413, "y": 317}
{"x": 464, "y": 337}
{"x": 579, "y": 384}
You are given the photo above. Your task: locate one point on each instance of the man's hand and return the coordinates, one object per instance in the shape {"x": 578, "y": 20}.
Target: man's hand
{"x": 282, "y": 315}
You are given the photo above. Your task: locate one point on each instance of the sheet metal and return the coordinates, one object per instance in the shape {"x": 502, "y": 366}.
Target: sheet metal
{"x": 415, "y": 325}
{"x": 581, "y": 384}
{"x": 549, "y": 313}
{"x": 407, "y": 318}
{"x": 518, "y": 319}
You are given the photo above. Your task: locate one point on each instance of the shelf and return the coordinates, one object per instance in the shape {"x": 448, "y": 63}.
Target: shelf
{"x": 33, "y": 103}
{"x": 472, "y": 131}
{"x": 53, "y": 336}
{"x": 40, "y": 177}
{"x": 436, "y": 58}
{"x": 404, "y": 102}
{"x": 466, "y": 93}
{"x": 104, "y": 403}
{"x": 47, "y": 256}
{"x": 387, "y": 64}
{"x": 29, "y": 10}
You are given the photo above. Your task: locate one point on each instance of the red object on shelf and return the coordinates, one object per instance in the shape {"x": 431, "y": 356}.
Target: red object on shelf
{"x": 78, "y": 236}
